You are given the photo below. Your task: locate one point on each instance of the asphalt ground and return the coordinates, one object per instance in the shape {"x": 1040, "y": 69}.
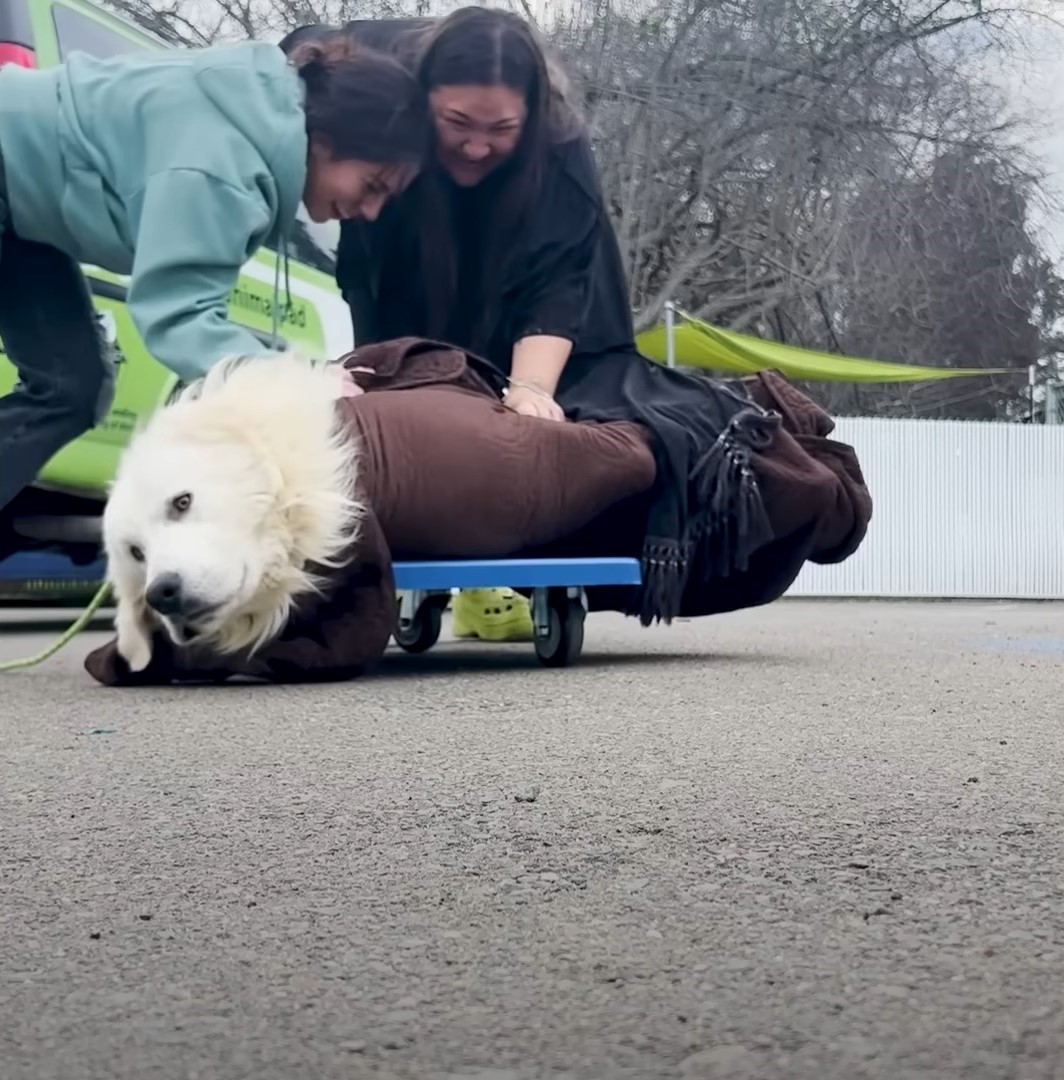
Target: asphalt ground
{"x": 817, "y": 840}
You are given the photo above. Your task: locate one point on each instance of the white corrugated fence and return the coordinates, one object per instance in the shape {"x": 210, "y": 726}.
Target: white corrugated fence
{"x": 960, "y": 510}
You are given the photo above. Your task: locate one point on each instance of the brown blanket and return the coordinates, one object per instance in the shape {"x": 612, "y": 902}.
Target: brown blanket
{"x": 450, "y": 473}
{"x": 814, "y": 494}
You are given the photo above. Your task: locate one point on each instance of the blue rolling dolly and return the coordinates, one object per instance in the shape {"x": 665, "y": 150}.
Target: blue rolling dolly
{"x": 559, "y": 603}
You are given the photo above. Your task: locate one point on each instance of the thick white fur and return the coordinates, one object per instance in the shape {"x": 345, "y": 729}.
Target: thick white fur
{"x": 259, "y": 446}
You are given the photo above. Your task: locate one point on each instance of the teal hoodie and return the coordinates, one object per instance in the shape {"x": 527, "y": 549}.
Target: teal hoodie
{"x": 171, "y": 167}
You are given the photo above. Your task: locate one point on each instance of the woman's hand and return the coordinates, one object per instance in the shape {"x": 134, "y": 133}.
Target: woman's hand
{"x": 526, "y": 399}
{"x": 537, "y": 365}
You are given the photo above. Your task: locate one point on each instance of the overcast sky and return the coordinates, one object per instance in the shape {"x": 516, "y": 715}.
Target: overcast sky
{"x": 1034, "y": 81}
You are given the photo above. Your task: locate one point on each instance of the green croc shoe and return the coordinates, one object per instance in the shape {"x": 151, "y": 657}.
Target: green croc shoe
{"x": 492, "y": 615}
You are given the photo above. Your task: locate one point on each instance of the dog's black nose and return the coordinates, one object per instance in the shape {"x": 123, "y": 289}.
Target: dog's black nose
{"x": 166, "y": 594}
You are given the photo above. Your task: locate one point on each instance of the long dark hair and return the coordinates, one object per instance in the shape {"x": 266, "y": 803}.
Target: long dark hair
{"x": 486, "y": 47}
{"x": 364, "y": 104}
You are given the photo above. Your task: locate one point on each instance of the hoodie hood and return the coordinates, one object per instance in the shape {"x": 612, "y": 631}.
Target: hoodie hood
{"x": 274, "y": 122}
{"x": 265, "y": 101}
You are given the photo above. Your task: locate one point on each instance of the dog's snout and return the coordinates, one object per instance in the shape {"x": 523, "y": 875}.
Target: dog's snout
{"x": 166, "y": 594}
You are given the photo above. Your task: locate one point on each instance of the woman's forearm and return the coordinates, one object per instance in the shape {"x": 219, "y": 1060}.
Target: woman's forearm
{"x": 539, "y": 361}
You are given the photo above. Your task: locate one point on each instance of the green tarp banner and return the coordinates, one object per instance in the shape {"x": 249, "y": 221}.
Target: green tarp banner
{"x": 698, "y": 344}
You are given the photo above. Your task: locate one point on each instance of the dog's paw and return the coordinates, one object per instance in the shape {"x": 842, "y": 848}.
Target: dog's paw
{"x": 134, "y": 637}
{"x": 135, "y": 652}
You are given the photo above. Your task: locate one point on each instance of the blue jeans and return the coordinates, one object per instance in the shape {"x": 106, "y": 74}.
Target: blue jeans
{"x": 51, "y": 334}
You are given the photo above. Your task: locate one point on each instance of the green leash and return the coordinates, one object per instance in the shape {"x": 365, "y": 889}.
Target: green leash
{"x": 64, "y": 638}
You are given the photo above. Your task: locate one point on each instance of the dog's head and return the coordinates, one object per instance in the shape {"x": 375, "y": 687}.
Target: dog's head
{"x": 224, "y": 501}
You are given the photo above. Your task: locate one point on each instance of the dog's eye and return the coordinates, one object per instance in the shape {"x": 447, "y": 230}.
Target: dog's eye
{"x": 136, "y": 553}
{"x": 180, "y": 503}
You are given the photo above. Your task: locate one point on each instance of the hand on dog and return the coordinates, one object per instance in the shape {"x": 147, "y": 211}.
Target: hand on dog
{"x": 525, "y": 401}
{"x": 348, "y": 386}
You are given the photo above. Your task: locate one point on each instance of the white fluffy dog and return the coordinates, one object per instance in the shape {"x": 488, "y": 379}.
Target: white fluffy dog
{"x": 223, "y": 503}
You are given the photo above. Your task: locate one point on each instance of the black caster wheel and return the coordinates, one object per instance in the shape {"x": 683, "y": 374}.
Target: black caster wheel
{"x": 564, "y": 640}
{"x": 423, "y": 632}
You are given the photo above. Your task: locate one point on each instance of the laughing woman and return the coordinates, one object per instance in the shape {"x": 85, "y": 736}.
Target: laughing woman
{"x": 504, "y": 247}
{"x": 172, "y": 168}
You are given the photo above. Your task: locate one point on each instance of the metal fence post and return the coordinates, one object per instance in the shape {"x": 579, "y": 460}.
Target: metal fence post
{"x": 670, "y": 334}
{"x": 1052, "y": 403}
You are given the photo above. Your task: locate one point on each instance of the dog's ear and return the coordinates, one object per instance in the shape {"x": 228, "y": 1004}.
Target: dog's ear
{"x": 134, "y": 627}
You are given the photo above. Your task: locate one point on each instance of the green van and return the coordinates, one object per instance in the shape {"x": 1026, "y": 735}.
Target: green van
{"x": 44, "y": 32}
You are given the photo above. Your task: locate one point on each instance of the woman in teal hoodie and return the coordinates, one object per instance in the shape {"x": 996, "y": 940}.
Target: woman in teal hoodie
{"x": 172, "y": 168}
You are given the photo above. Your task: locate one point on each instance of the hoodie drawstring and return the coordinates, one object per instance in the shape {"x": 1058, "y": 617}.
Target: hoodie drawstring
{"x": 278, "y": 315}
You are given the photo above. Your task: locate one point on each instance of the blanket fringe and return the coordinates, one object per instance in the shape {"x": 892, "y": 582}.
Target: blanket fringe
{"x": 665, "y": 566}
{"x": 731, "y": 524}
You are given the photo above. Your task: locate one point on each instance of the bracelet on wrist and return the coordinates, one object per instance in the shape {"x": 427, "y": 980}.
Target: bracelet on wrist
{"x": 535, "y": 388}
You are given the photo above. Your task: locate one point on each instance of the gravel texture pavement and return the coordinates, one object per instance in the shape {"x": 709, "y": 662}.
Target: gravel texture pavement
{"x": 819, "y": 841}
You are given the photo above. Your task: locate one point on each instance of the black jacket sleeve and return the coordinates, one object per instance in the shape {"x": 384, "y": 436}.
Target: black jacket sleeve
{"x": 553, "y": 270}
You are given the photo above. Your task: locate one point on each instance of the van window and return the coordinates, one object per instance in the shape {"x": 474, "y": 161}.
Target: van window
{"x": 75, "y": 32}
